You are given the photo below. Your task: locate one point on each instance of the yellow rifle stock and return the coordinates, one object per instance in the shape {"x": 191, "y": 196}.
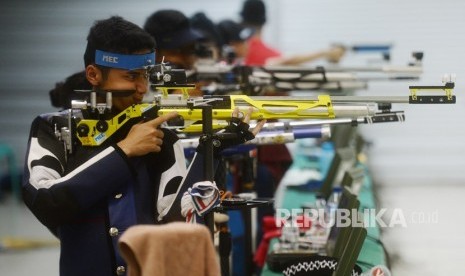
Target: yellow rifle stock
{"x": 93, "y": 132}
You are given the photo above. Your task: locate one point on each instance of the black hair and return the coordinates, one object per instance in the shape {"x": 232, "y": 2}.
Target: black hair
{"x": 64, "y": 92}
{"x": 232, "y": 31}
{"x": 116, "y": 35}
{"x": 164, "y": 22}
{"x": 172, "y": 30}
{"x": 202, "y": 23}
{"x": 253, "y": 13}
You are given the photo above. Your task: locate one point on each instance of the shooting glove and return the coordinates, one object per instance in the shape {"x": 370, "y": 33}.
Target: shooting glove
{"x": 241, "y": 135}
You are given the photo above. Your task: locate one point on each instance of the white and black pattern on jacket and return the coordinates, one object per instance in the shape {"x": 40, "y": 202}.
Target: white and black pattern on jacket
{"x": 170, "y": 181}
{"x": 55, "y": 194}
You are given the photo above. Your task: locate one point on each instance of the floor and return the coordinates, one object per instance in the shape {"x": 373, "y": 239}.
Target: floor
{"x": 432, "y": 243}
{"x": 29, "y": 257}
{"x": 428, "y": 241}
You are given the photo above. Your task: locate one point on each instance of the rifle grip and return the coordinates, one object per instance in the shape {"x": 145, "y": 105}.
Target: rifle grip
{"x": 152, "y": 113}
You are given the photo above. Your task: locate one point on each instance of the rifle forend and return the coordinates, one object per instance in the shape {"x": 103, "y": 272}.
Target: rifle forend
{"x": 93, "y": 132}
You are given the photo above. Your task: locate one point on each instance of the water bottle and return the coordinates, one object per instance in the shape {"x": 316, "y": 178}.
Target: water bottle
{"x": 290, "y": 235}
{"x": 319, "y": 216}
{"x": 320, "y": 202}
{"x": 332, "y": 204}
{"x": 326, "y": 157}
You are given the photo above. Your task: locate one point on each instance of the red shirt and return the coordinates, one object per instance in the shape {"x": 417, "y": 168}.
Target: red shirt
{"x": 259, "y": 52}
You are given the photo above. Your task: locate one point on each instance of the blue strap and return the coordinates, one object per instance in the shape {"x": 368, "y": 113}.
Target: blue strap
{"x": 122, "y": 61}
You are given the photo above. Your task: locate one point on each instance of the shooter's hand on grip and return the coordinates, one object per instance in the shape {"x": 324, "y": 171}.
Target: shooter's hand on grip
{"x": 145, "y": 137}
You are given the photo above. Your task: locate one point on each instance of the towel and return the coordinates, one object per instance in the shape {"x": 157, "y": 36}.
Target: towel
{"x": 173, "y": 249}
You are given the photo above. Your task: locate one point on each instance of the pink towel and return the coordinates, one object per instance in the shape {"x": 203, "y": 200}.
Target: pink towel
{"x": 172, "y": 249}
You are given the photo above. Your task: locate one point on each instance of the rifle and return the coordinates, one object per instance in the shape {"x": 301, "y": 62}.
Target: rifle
{"x": 94, "y": 131}
{"x": 252, "y": 80}
{"x": 381, "y": 48}
{"x": 100, "y": 125}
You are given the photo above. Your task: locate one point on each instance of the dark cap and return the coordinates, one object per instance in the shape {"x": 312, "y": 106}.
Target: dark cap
{"x": 205, "y": 25}
{"x": 232, "y": 31}
{"x": 171, "y": 29}
{"x": 253, "y": 12}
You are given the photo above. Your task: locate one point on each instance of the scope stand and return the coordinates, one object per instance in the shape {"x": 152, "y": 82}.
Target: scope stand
{"x": 207, "y": 141}
{"x": 225, "y": 241}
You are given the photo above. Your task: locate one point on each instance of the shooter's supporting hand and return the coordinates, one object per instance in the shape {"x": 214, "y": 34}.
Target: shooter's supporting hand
{"x": 242, "y": 127}
{"x": 239, "y": 126}
{"x": 334, "y": 54}
{"x": 145, "y": 137}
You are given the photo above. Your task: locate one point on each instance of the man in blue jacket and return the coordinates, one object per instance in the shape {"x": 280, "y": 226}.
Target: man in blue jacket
{"x": 89, "y": 197}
